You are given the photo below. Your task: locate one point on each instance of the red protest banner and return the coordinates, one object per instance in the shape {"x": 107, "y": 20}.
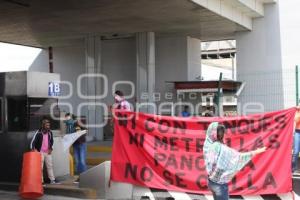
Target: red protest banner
{"x": 167, "y": 152}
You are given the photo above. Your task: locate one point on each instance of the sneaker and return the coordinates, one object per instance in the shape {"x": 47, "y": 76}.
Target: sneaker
{"x": 53, "y": 182}
{"x": 76, "y": 180}
{"x": 296, "y": 173}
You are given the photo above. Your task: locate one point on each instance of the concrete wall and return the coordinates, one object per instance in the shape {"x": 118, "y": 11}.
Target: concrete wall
{"x": 69, "y": 61}
{"x": 171, "y": 62}
{"x": 119, "y": 63}
{"x": 259, "y": 62}
{"x": 194, "y": 58}
{"x": 177, "y": 59}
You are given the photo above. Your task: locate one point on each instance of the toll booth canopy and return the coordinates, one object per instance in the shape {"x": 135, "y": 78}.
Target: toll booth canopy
{"x": 202, "y": 95}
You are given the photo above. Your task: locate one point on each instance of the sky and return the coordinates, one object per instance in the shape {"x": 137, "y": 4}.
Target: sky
{"x": 17, "y": 57}
{"x": 212, "y": 73}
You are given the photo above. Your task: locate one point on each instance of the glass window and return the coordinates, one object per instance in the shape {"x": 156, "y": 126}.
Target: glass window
{"x": 1, "y": 115}
{"x": 17, "y": 114}
{"x": 40, "y": 108}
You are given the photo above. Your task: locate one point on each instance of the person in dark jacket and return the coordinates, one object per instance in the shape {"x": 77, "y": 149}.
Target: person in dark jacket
{"x": 70, "y": 122}
{"x": 42, "y": 142}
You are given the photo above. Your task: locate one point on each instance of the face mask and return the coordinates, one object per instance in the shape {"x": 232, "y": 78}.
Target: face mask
{"x": 69, "y": 122}
{"x": 118, "y": 98}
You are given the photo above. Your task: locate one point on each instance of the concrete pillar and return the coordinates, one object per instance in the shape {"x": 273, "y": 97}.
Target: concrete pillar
{"x": 145, "y": 56}
{"x": 259, "y": 63}
{"x": 171, "y": 63}
{"x": 233, "y": 59}
{"x": 93, "y": 86}
{"x": 178, "y": 58}
{"x": 193, "y": 59}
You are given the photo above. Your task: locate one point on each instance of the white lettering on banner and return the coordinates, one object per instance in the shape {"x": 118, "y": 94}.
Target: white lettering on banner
{"x": 69, "y": 139}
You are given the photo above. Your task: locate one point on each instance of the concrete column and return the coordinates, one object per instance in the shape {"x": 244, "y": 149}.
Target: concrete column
{"x": 145, "y": 56}
{"x": 259, "y": 63}
{"x": 233, "y": 59}
{"x": 193, "y": 59}
{"x": 171, "y": 65}
{"x": 93, "y": 85}
{"x": 178, "y": 58}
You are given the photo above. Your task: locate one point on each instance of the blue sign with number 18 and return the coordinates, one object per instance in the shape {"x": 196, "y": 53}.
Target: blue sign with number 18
{"x": 53, "y": 89}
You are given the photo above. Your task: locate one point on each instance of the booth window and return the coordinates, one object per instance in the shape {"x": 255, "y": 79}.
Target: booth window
{"x": 17, "y": 114}
{"x": 40, "y": 108}
{"x": 1, "y": 115}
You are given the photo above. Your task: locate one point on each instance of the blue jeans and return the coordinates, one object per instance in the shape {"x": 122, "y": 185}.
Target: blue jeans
{"x": 219, "y": 191}
{"x": 296, "y": 150}
{"x": 80, "y": 156}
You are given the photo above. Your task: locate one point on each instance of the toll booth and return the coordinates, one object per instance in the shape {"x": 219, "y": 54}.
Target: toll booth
{"x": 202, "y": 95}
{"x": 25, "y": 98}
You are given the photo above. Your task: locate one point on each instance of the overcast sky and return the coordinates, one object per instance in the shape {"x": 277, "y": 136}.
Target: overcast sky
{"x": 16, "y": 57}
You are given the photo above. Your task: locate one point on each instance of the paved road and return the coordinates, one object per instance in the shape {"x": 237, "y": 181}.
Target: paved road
{"x": 14, "y": 196}
{"x": 163, "y": 195}
{"x": 155, "y": 194}
{"x": 296, "y": 185}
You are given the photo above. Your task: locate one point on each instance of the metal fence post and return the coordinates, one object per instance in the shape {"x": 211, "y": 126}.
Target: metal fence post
{"x": 297, "y": 86}
{"x": 219, "y": 95}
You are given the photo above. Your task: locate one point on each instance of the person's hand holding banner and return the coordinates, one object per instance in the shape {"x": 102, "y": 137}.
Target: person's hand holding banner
{"x": 260, "y": 150}
{"x": 69, "y": 139}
